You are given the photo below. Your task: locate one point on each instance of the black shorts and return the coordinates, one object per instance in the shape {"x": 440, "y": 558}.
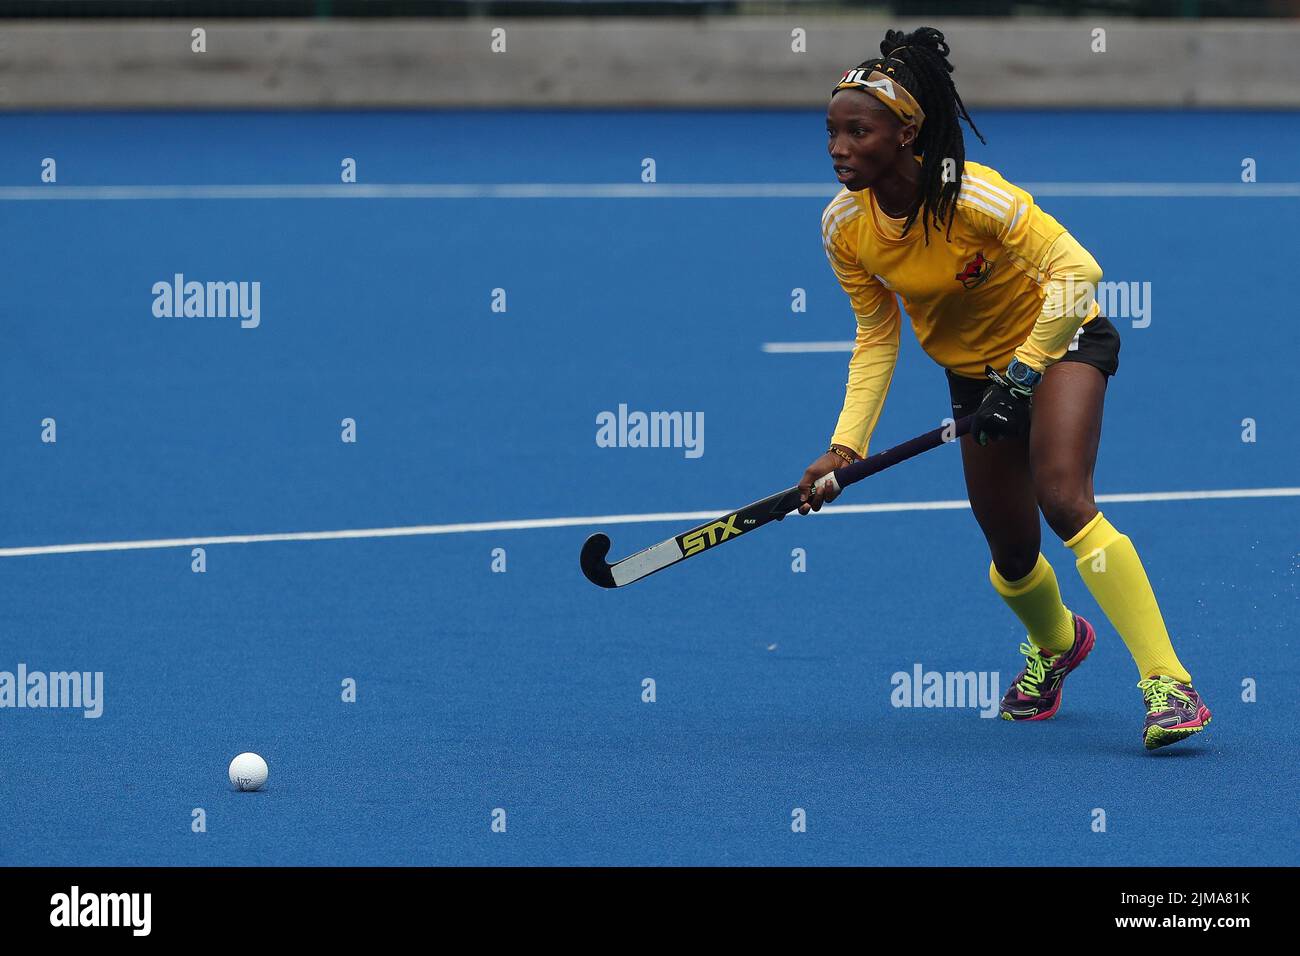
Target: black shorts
{"x": 1098, "y": 347}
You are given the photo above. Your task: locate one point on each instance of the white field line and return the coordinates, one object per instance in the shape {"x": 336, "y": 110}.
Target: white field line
{"x": 529, "y": 524}
{"x": 55, "y": 192}
{"x": 792, "y": 348}
{"x": 786, "y": 348}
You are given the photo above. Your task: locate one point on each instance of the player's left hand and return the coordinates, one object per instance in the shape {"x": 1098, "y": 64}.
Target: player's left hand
{"x": 1004, "y": 411}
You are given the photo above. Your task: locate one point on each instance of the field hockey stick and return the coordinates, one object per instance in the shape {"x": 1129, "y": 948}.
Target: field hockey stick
{"x": 729, "y": 526}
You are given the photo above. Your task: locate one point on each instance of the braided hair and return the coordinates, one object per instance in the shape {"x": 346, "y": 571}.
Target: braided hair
{"x": 922, "y": 67}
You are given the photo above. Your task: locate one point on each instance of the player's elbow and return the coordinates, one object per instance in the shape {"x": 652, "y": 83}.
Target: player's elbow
{"x": 1083, "y": 264}
{"x": 1091, "y": 270}
{"x": 1071, "y": 262}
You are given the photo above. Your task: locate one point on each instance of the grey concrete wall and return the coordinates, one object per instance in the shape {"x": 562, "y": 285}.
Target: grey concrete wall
{"x": 703, "y": 62}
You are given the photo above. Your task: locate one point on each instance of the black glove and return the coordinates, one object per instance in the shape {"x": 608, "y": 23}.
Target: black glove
{"x": 1004, "y": 411}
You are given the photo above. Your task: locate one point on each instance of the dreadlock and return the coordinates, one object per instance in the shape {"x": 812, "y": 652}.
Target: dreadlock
{"x": 922, "y": 67}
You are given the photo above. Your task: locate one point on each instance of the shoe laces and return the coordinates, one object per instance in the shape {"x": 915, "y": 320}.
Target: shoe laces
{"x": 1035, "y": 670}
{"x": 1157, "y": 691}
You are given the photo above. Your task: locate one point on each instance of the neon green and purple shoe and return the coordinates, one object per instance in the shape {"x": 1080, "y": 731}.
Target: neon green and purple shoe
{"x": 1175, "y": 711}
{"x": 1035, "y": 694}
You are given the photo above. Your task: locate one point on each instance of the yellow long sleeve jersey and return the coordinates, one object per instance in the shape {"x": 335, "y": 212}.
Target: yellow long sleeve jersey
{"x": 1009, "y": 281}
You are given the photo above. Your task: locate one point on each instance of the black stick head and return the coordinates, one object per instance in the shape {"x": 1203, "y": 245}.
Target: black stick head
{"x": 594, "y": 565}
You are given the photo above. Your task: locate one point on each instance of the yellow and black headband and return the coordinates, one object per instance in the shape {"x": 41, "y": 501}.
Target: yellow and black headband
{"x": 889, "y": 91}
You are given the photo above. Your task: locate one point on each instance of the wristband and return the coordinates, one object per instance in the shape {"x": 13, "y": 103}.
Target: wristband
{"x": 843, "y": 454}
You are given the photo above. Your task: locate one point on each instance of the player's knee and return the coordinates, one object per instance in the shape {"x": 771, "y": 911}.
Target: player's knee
{"x": 1014, "y": 562}
{"x": 1066, "y": 506}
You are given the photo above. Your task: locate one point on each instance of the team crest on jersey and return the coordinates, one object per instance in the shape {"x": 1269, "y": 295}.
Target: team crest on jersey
{"x": 975, "y": 272}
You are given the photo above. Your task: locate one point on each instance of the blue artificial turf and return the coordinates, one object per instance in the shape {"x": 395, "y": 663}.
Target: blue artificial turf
{"x": 523, "y": 690}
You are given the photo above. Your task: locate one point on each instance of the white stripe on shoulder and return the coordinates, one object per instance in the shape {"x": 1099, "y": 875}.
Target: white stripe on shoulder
{"x": 838, "y": 205}
{"x": 830, "y": 228}
{"x": 976, "y": 188}
{"x": 1020, "y": 211}
{"x": 996, "y": 190}
{"x": 977, "y": 202}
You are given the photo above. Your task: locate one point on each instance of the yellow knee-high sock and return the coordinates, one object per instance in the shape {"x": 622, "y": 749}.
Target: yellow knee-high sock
{"x": 1036, "y": 600}
{"x": 1113, "y": 572}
